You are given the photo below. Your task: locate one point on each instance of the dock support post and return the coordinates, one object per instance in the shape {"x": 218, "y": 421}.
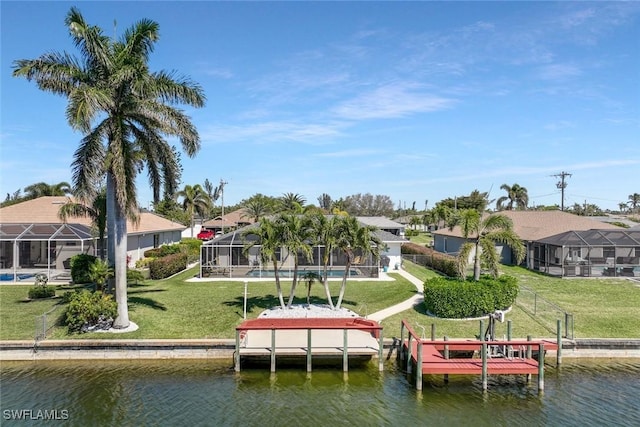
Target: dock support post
{"x": 237, "y": 354}
{"x": 509, "y": 330}
{"x": 309, "y": 363}
{"x": 433, "y": 332}
{"x": 529, "y": 356}
{"x": 345, "y": 350}
{"x": 419, "y": 366}
{"x": 381, "y": 352}
{"x": 481, "y": 330}
{"x": 400, "y": 352}
{"x": 541, "y": 368}
{"x": 446, "y": 356}
{"x": 409, "y": 354}
{"x": 273, "y": 350}
{"x": 559, "y": 338}
{"x": 484, "y": 366}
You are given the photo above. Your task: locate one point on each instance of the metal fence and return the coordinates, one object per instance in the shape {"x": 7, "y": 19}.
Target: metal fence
{"x": 545, "y": 312}
{"x": 44, "y": 323}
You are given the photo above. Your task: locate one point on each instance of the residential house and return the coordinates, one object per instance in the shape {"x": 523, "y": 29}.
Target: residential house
{"x": 33, "y": 236}
{"x": 531, "y": 227}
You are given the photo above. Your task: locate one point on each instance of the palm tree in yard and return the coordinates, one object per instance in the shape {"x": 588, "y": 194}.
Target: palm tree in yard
{"x": 482, "y": 234}
{"x": 256, "y": 208}
{"x": 296, "y": 239}
{"x": 323, "y": 229}
{"x": 516, "y": 195}
{"x": 634, "y": 201}
{"x": 269, "y": 235}
{"x": 292, "y": 203}
{"x": 125, "y": 111}
{"x": 194, "y": 200}
{"x": 352, "y": 238}
{"x": 40, "y": 189}
{"x": 214, "y": 192}
{"x": 96, "y": 210}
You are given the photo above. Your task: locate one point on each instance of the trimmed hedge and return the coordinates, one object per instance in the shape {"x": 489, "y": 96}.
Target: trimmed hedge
{"x": 445, "y": 264}
{"x": 80, "y": 268}
{"x": 166, "y": 266}
{"x": 41, "y": 291}
{"x": 163, "y": 250}
{"x": 458, "y": 299}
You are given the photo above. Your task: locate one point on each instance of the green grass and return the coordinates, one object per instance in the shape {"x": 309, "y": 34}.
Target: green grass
{"x": 423, "y": 238}
{"x": 602, "y": 308}
{"x": 174, "y": 308}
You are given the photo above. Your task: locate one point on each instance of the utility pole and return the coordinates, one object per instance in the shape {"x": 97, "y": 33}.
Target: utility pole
{"x": 562, "y": 185}
{"x": 222, "y": 184}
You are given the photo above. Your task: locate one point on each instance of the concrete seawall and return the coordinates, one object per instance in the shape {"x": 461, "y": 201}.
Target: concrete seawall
{"x": 224, "y": 348}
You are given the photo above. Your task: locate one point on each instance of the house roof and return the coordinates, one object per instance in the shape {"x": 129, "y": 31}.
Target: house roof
{"x": 380, "y": 222}
{"x": 231, "y": 219}
{"x": 44, "y": 210}
{"x": 536, "y": 225}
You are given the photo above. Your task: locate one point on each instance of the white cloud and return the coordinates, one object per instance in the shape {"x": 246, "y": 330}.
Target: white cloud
{"x": 558, "y": 71}
{"x": 274, "y": 131}
{"x": 351, "y": 153}
{"x": 391, "y": 101}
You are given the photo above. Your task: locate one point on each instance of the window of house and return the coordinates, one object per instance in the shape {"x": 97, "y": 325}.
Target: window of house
{"x": 156, "y": 240}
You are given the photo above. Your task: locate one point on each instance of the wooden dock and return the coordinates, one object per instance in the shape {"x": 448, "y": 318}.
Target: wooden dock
{"x": 441, "y": 357}
{"x": 306, "y": 339}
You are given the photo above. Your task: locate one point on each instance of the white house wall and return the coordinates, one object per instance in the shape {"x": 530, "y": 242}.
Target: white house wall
{"x": 137, "y": 244}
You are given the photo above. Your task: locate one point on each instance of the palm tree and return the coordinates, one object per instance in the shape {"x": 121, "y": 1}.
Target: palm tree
{"x": 622, "y": 206}
{"x": 40, "y": 189}
{"x": 256, "y": 208}
{"x": 292, "y": 203}
{"x": 482, "y": 234}
{"x": 96, "y": 210}
{"x": 352, "y": 237}
{"x": 634, "y": 201}
{"x": 516, "y": 195}
{"x": 213, "y": 192}
{"x": 125, "y": 111}
{"x": 323, "y": 229}
{"x": 296, "y": 239}
{"x": 194, "y": 200}
{"x": 310, "y": 277}
{"x": 441, "y": 214}
{"x": 269, "y": 239}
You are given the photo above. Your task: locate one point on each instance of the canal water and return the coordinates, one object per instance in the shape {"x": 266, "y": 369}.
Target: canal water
{"x": 210, "y": 393}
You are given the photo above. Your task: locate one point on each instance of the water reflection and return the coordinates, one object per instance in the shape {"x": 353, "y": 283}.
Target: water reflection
{"x": 173, "y": 392}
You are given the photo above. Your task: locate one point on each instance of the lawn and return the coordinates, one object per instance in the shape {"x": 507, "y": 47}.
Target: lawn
{"x": 423, "y": 238}
{"x": 174, "y": 308}
{"x": 601, "y": 308}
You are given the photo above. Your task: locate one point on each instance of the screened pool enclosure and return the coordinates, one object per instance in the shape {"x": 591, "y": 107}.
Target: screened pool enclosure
{"x": 591, "y": 253}
{"x": 225, "y": 256}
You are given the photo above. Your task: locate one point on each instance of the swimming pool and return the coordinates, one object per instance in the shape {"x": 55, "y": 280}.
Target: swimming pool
{"x": 8, "y": 277}
{"x": 289, "y": 273}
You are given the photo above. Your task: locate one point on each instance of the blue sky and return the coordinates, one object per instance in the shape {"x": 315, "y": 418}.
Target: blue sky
{"x": 416, "y": 100}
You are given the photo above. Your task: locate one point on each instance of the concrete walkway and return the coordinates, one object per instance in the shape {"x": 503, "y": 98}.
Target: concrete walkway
{"x": 405, "y": 305}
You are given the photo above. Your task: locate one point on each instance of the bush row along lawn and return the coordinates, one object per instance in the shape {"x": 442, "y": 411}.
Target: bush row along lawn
{"x": 174, "y": 308}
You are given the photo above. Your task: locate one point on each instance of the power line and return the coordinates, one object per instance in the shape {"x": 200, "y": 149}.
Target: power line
{"x": 562, "y": 185}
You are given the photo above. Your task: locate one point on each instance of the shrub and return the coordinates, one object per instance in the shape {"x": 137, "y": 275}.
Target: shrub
{"x": 166, "y": 266}
{"x": 80, "y": 268}
{"x": 450, "y": 298}
{"x": 44, "y": 291}
{"x": 87, "y": 309}
{"x": 134, "y": 276}
{"x": 163, "y": 250}
{"x": 445, "y": 264}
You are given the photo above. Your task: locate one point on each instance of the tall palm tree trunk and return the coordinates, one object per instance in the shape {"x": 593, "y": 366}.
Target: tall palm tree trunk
{"x": 476, "y": 261}
{"x": 325, "y": 282}
{"x": 278, "y": 287}
{"x": 293, "y": 283}
{"x": 119, "y": 256}
{"x": 343, "y": 286}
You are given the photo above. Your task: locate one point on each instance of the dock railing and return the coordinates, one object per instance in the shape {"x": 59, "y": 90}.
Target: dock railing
{"x": 414, "y": 350}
